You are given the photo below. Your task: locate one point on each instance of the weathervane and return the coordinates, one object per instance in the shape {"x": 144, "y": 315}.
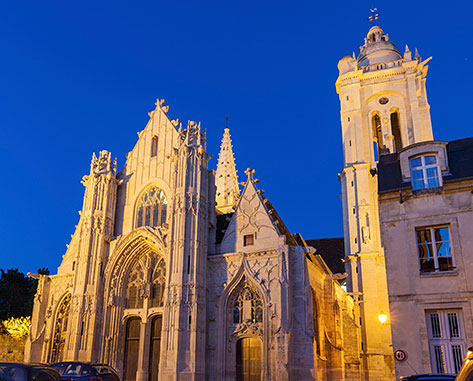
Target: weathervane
{"x": 374, "y": 15}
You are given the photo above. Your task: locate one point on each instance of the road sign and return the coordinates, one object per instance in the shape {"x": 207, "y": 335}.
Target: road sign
{"x": 400, "y": 355}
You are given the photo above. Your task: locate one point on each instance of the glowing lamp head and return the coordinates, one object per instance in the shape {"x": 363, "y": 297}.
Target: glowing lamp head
{"x": 382, "y": 318}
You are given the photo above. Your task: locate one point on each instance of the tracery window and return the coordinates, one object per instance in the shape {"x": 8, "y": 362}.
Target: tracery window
{"x": 135, "y": 284}
{"x": 247, "y": 306}
{"x": 152, "y": 208}
{"x": 60, "y": 328}
{"x": 158, "y": 284}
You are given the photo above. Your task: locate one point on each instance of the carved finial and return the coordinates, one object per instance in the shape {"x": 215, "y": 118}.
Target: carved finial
{"x": 407, "y": 54}
{"x": 159, "y": 102}
{"x": 417, "y": 55}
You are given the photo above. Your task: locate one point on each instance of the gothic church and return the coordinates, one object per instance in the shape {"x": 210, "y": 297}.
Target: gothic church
{"x": 174, "y": 274}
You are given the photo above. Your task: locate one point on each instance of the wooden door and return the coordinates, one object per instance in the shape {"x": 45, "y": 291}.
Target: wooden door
{"x": 132, "y": 346}
{"x": 155, "y": 347}
{"x": 248, "y": 361}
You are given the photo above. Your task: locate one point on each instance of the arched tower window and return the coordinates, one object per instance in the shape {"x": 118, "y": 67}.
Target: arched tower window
{"x": 396, "y": 130}
{"x": 152, "y": 208}
{"x": 377, "y": 134}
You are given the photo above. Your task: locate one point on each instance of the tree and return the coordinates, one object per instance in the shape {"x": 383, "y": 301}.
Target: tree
{"x": 17, "y": 293}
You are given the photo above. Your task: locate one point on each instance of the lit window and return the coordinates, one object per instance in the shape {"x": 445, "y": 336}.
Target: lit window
{"x": 425, "y": 172}
{"x": 152, "y": 208}
{"x": 248, "y": 240}
{"x": 434, "y": 247}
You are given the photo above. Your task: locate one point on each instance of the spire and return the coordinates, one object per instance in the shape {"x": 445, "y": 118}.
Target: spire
{"x": 226, "y": 177}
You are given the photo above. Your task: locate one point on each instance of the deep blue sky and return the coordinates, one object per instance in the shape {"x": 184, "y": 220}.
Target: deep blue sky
{"x": 78, "y": 77}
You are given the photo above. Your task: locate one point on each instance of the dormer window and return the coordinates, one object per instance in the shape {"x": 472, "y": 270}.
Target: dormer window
{"x": 425, "y": 172}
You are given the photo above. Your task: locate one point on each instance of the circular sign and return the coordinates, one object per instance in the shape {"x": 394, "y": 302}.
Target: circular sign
{"x": 400, "y": 355}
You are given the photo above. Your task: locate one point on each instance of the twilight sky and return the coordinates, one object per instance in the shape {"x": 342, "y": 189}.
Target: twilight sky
{"x": 79, "y": 77}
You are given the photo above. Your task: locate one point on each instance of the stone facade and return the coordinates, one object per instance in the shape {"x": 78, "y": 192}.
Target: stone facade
{"x": 173, "y": 274}
{"x": 427, "y": 239}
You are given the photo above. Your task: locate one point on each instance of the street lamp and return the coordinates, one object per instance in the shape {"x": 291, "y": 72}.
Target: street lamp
{"x": 382, "y": 318}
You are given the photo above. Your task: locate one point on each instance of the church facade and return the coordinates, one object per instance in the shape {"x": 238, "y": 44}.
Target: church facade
{"x": 173, "y": 273}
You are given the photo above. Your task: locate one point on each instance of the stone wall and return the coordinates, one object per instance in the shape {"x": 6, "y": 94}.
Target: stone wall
{"x": 11, "y": 348}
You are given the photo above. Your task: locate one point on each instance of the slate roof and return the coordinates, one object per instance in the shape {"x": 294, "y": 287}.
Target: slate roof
{"x": 223, "y": 220}
{"x": 460, "y": 162}
{"x": 332, "y": 251}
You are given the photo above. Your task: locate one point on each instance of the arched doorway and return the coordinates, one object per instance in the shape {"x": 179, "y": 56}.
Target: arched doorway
{"x": 155, "y": 347}
{"x": 248, "y": 359}
{"x": 60, "y": 328}
{"x": 132, "y": 346}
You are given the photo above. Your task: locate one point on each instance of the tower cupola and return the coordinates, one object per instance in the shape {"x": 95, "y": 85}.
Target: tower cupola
{"x": 377, "y": 49}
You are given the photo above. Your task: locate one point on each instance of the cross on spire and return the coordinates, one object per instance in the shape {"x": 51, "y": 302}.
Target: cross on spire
{"x": 227, "y": 118}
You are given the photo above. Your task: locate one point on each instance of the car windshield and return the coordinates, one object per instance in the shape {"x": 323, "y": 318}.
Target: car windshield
{"x": 102, "y": 369}
{"x": 73, "y": 370}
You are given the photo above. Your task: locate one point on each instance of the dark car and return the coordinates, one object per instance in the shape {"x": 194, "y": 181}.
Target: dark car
{"x": 73, "y": 370}
{"x": 10, "y": 371}
{"x": 428, "y": 377}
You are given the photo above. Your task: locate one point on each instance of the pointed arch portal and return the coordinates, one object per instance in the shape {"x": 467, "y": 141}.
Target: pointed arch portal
{"x": 60, "y": 328}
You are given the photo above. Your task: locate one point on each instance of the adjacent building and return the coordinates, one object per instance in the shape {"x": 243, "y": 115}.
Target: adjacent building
{"x": 426, "y": 209}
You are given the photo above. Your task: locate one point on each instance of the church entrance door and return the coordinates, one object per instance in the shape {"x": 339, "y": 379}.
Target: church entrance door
{"x": 132, "y": 345}
{"x": 155, "y": 347}
{"x": 248, "y": 361}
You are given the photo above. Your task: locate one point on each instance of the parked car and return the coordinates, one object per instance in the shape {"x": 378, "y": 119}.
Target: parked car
{"x": 429, "y": 377}
{"x": 75, "y": 371}
{"x": 466, "y": 372}
{"x": 27, "y": 372}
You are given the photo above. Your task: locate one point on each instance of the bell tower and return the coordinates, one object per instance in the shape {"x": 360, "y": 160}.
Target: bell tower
{"x": 383, "y": 108}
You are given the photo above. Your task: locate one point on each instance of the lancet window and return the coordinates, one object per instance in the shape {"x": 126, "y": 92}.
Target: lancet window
{"x": 247, "y": 306}
{"x": 396, "y": 130}
{"x": 135, "y": 286}
{"x": 377, "y": 134}
{"x": 152, "y": 208}
{"x": 158, "y": 284}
